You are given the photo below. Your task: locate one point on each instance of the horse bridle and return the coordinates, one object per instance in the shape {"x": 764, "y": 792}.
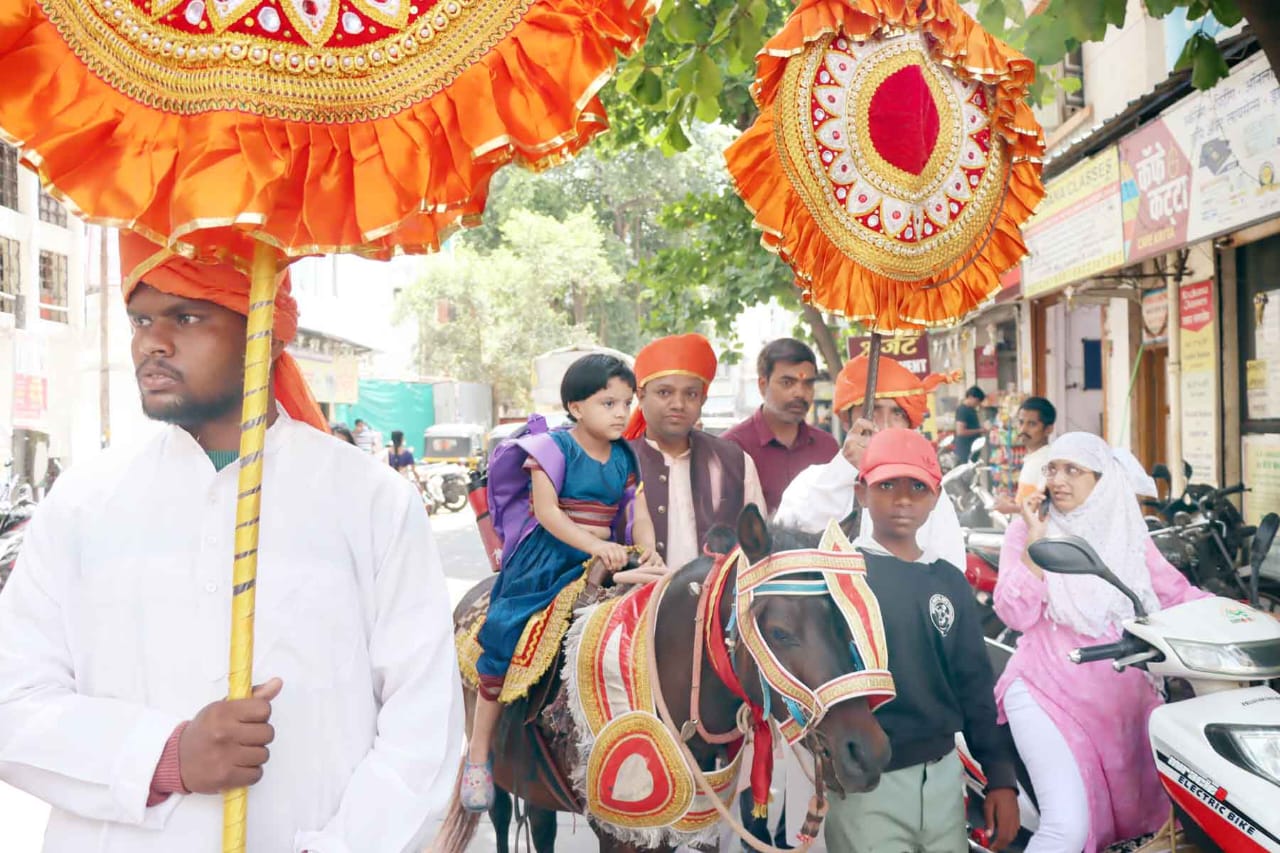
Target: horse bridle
{"x": 842, "y": 577}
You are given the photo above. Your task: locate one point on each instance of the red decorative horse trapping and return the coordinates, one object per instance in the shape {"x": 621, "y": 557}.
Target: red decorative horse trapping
{"x": 634, "y": 777}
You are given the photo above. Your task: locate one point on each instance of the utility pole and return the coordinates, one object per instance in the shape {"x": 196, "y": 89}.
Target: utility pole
{"x": 104, "y": 360}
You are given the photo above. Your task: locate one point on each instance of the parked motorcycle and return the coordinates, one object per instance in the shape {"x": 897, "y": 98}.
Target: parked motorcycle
{"x": 1206, "y": 542}
{"x": 1216, "y": 742}
{"x": 444, "y": 484}
{"x": 969, "y": 488}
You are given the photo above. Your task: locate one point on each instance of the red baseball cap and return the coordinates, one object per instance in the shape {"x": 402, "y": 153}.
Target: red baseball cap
{"x": 901, "y": 453}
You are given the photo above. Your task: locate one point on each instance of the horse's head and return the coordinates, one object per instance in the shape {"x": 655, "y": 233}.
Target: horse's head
{"x": 811, "y": 639}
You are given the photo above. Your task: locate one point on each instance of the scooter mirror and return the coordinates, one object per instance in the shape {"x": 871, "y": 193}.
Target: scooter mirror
{"x": 1262, "y": 539}
{"x": 1071, "y": 555}
{"x": 1187, "y": 470}
{"x": 1161, "y": 472}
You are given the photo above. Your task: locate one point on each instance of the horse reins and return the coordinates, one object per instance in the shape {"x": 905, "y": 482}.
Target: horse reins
{"x": 817, "y": 806}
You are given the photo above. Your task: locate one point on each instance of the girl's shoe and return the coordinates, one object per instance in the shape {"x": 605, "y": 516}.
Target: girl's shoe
{"x": 476, "y": 791}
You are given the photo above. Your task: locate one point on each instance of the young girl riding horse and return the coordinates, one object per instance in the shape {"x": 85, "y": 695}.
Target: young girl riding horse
{"x": 573, "y": 526}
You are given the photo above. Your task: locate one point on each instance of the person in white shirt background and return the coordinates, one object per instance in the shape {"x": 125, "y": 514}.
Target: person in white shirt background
{"x": 1036, "y": 417}
{"x": 114, "y": 626}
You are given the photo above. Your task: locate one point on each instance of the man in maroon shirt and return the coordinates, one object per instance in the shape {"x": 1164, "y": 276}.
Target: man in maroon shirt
{"x": 776, "y": 437}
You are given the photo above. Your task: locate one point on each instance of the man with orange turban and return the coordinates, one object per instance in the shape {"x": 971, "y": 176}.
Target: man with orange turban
{"x": 113, "y": 627}
{"x": 692, "y": 480}
{"x": 822, "y": 492}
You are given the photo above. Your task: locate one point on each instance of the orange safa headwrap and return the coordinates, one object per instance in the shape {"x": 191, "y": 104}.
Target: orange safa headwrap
{"x": 893, "y": 382}
{"x": 683, "y": 355}
{"x": 223, "y": 284}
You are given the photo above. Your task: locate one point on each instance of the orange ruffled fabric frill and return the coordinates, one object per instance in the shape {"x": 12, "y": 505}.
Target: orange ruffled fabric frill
{"x": 204, "y": 183}
{"x": 830, "y": 279}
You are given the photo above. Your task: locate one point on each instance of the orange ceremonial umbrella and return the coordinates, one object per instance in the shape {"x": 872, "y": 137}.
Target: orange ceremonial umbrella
{"x": 263, "y": 130}
{"x": 893, "y": 160}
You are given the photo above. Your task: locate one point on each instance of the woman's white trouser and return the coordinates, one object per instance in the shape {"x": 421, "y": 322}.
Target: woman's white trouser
{"x": 1064, "y": 805}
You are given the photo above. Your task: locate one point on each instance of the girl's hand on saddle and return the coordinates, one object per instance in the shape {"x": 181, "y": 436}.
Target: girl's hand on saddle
{"x": 650, "y": 568}
{"x": 611, "y": 554}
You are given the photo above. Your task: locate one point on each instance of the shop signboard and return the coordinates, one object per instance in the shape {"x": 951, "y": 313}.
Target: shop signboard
{"x": 1199, "y": 356}
{"x": 1230, "y": 135}
{"x": 332, "y": 378}
{"x": 1077, "y": 230}
{"x": 1155, "y": 317}
{"x": 1155, "y": 178}
{"x": 911, "y": 351}
{"x": 30, "y": 381}
{"x": 1261, "y": 465}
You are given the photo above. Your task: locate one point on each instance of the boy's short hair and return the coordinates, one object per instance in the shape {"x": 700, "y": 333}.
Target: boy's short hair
{"x": 976, "y": 393}
{"x": 896, "y": 453}
{"x": 1042, "y": 407}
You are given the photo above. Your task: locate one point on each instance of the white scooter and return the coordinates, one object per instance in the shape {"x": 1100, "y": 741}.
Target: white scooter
{"x": 1218, "y": 749}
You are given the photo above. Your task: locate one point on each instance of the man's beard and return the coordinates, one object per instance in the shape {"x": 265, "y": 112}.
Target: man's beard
{"x": 185, "y": 412}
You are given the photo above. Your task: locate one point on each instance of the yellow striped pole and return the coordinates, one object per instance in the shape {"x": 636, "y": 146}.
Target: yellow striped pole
{"x": 253, "y": 433}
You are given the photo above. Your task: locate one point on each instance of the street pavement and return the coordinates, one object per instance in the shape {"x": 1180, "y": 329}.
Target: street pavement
{"x": 23, "y": 818}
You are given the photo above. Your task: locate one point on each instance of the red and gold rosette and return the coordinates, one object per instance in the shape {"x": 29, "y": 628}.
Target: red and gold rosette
{"x": 893, "y": 159}
{"x": 369, "y": 126}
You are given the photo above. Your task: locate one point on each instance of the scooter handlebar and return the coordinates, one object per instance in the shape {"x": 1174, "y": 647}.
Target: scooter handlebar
{"x": 1107, "y": 651}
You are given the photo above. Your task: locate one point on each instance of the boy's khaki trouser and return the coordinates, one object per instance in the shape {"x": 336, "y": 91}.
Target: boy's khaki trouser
{"x": 918, "y": 809}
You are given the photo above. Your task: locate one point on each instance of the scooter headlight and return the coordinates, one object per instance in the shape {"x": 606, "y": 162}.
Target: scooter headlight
{"x": 1255, "y": 748}
{"x": 1255, "y": 660}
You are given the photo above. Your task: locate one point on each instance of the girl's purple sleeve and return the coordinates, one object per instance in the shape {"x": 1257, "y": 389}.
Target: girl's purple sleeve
{"x": 1169, "y": 584}
{"x": 1020, "y": 595}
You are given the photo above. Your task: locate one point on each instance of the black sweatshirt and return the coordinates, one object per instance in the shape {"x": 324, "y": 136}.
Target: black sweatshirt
{"x": 939, "y": 664}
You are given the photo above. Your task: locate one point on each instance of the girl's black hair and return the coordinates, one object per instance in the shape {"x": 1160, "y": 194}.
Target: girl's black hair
{"x": 590, "y": 374}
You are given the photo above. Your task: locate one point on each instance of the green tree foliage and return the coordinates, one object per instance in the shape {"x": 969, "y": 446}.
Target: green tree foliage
{"x": 484, "y": 314}
{"x": 699, "y": 61}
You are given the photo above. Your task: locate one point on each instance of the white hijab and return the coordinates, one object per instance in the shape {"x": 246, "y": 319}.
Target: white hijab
{"x": 1109, "y": 519}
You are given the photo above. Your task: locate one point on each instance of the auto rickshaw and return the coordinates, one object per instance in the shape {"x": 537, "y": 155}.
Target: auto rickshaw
{"x": 459, "y": 444}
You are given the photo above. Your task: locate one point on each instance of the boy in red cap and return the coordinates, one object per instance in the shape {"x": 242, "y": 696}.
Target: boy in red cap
{"x": 939, "y": 663}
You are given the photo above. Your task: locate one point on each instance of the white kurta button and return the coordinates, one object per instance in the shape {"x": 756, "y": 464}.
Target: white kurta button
{"x": 211, "y": 587}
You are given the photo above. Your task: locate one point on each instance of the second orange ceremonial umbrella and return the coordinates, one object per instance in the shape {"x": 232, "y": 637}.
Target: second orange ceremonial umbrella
{"x": 893, "y": 159}
{"x": 263, "y": 130}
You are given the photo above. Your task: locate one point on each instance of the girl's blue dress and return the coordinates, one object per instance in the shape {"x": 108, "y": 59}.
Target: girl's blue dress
{"x": 543, "y": 565}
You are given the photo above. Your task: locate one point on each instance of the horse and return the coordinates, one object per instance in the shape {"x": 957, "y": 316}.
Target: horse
{"x": 805, "y": 633}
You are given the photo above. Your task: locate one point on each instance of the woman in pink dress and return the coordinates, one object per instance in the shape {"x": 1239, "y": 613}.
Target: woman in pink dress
{"x": 1081, "y": 729}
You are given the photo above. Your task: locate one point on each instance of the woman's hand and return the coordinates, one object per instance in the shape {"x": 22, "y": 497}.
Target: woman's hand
{"x": 651, "y": 568}
{"x": 611, "y": 554}
{"x": 1037, "y": 524}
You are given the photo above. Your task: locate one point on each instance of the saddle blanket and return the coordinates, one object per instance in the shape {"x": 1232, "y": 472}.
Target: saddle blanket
{"x": 537, "y": 650}
{"x": 631, "y": 772}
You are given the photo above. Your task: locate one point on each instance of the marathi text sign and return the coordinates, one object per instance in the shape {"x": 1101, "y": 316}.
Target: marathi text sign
{"x": 1155, "y": 180}
{"x": 1077, "y": 230}
{"x": 911, "y": 351}
{"x": 1199, "y": 351}
{"x": 1231, "y": 136}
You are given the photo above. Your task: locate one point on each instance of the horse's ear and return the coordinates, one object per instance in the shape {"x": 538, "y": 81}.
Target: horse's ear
{"x": 720, "y": 539}
{"x": 850, "y": 523}
{"x": 753, "y": 534}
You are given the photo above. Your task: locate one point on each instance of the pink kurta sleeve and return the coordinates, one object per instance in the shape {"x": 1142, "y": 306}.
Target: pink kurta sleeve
{"x": 1020, "y": 595}
{"x": 1169, "y": 584}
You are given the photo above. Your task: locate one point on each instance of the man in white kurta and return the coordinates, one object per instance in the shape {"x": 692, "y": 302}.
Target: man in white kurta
{"x": 114, "y": 632}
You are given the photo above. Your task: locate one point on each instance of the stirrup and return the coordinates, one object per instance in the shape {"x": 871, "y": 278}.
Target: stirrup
{"x": 476, "y": 790}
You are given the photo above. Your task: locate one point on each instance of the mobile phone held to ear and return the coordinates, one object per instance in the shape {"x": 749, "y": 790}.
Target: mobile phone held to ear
{"x": 1044, "y": 506}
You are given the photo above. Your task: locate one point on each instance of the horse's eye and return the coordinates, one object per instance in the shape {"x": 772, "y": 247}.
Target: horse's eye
{"x": 779, "y": 635}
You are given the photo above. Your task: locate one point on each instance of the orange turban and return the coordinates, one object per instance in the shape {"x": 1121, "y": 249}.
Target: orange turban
{"x": 223, "y": 284}
{"x": 683, "y": 355}
{"x": 893, "y": 382}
